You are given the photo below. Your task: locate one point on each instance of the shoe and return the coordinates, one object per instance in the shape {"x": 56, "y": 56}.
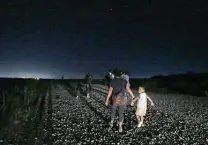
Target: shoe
{"x": 111, "y": 124}
{"x": 140, "y": 124}
{"x": 120, "y": 129}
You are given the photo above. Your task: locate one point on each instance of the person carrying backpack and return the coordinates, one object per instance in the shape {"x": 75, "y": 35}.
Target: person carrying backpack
{"x": 115, "y": 98}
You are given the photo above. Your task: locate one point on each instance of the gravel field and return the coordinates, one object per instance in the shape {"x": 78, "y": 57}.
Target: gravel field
{"x": 160, "y": 127}
{"x": 191, "y": 108}
{"x": 60, "y": 118}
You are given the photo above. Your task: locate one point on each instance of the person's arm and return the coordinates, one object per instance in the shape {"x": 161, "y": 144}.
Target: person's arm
{"x": 134, "y": 100}
{"x": 110, "y": 90}
{"x": 148, "y": 98}
{"x": 129, "y": 91}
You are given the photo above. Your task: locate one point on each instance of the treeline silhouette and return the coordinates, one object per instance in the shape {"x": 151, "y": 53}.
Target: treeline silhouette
{"x": 189, "y": 83}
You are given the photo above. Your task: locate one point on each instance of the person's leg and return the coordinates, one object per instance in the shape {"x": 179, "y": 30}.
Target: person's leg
{"x": 77, "y": 94}
{"x": 90, "y": 87}
{"x": 141, "y": 113}
{"x": 128, "y": 97}
{"x": 113, "y": 113}
{"x": 121, "y": 117}
{"x": 125, "y": 102}
{"x": 141, "y": 122}
{"x": 88, "y": 92}
{"x": 142, "y": 118}
{"x": 137, "y": 115}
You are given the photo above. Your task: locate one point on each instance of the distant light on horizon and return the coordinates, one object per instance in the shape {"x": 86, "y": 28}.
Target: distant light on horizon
{"x": 27, "y": 75}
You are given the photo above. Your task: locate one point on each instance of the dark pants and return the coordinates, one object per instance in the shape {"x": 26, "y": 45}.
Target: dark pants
{"x": 78, "y": 92}
{"x": 125, "y": 99}
{"x": 87, "y": 89}
{"x": 120, "y": 112}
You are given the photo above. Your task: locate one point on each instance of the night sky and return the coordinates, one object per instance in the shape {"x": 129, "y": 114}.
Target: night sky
{"x": 146, "y": 37}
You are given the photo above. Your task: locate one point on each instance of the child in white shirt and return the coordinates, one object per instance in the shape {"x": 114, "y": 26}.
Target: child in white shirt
{"x": 141, "y": 105}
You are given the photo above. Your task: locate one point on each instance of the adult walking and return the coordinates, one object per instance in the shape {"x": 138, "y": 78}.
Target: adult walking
{"x": 116, "y": 99}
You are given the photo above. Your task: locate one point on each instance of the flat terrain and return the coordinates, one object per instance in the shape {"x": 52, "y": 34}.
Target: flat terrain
{"x": 59, "y": 118}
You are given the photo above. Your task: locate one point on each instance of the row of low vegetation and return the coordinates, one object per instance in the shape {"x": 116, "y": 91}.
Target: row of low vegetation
{"x": 189, "y": 83}
{"x": 18, "y": 98}
{"x": 193, "y": 84}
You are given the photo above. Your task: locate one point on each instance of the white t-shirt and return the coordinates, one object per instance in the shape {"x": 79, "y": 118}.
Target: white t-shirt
{"x": 142, "y": 101}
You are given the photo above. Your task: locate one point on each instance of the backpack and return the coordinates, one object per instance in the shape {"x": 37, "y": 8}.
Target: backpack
{"x": 118, "y": 97}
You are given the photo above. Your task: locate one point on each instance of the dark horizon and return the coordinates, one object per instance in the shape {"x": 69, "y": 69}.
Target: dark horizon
{"x": 51, "y": 39}
{"x": 159, "y": 75}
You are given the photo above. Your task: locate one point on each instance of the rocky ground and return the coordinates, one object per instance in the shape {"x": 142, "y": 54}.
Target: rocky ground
{"x": 160, "y": 127}
{"x": 67, "y": 120}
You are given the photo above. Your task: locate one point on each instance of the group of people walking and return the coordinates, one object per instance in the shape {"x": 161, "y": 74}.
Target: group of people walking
{"x": 118, "y": 90}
